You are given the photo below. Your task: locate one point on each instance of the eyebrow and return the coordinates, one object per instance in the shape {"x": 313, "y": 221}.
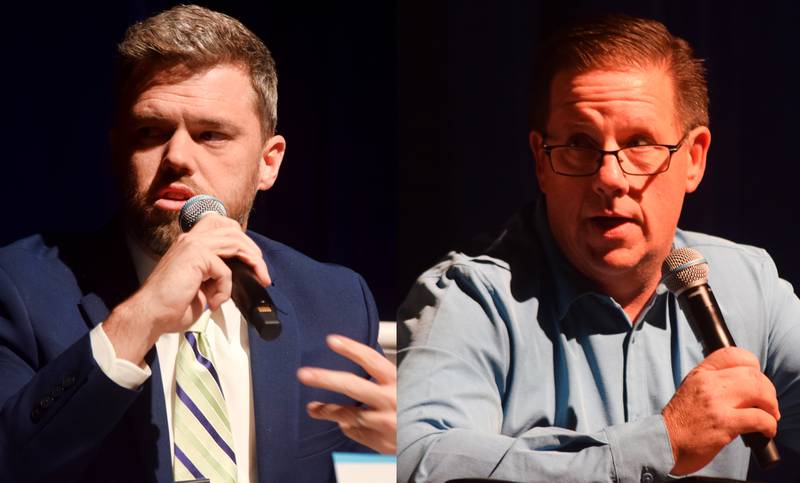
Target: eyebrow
{"x": 203, "y": 122}
{"x": 215, "y": 123}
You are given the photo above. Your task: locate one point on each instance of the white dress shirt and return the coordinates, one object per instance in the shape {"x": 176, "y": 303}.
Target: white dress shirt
{"x": 230, "y": 352}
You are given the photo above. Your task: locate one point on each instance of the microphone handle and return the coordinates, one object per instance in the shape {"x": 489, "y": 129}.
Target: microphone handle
{"x": 702, "y": 310}
{"x": 253, "y": 301}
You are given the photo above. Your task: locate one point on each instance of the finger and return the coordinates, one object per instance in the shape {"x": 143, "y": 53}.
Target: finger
{"x": 730, "y": 357}
{"x": 221, "y": 225}
{"x": 753, "y": 420}
{"x": 232, "y": 243}
{"x": 345, "y": 416}
{"x": 354, "y": 416}
{"x": 367, "y": 427}
{"x": 384, "y": 421}
{"x": 260, "y": 270}
{"x": 219, "y": 282}
{"x": 333, "y": 412}
{"x": 368, "y": 358}
{"x": 753, "y": 389}
{"x": 223, "y": 241}
{"x": 373, "y": 439}
{"x": 217, "y": 228}
{"x": 257, "y": 263}
{"x": 246, "y": 250}
{"x": 195, "y": 309}
{"x": 211, "y": 220}
{"x": 345, "y": 383}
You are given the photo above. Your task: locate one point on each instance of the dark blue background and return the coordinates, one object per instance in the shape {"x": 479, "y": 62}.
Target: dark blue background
{"x": 406, "y": 122}
{"x": 335, "y": 198}
{"x": 463, "y": 70}
{"x": 464, "y": 159}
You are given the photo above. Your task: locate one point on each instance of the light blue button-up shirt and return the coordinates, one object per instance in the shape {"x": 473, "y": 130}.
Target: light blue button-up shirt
{"x": 519, "y": 371}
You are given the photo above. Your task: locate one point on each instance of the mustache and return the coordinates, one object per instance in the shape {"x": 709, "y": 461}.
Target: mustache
{"x": 166, "y": 178}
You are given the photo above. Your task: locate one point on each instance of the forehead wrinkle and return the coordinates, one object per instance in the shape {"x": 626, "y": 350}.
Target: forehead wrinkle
{"x": 585, "y": 115}
{"x": 628, "y": 88}
{"x": 605, "y": 100}
{"x": 145, "y": 110}
{"x": 596, "y": 123}
{"x": 624, "y": 99}
{"x": 165, "y": 101}
{"x": 194, "y": 90}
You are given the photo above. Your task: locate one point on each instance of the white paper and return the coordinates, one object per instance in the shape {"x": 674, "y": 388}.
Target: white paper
{"x": 364, "y": 468}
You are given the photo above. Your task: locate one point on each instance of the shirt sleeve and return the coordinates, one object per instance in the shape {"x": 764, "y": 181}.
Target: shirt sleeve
{"x": 782, "y": 355}
{"x": 123, "y": 372}
{"x": 453, "y": 383}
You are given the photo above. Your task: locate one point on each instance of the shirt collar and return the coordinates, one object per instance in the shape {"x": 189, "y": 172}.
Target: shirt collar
{"x": 571, "y": 285}
{"x": 144, "y": 261}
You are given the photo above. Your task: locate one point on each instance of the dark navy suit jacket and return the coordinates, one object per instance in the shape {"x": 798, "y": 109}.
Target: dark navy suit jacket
{"x": 62, "y": 419}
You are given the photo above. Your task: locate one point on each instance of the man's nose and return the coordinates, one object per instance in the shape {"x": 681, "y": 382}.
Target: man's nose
{"x": 179, "y": 152}
{"x": 610, "y": 180}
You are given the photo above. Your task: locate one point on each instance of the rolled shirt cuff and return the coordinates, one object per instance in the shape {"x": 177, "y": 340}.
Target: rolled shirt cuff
{"x": 123, "y": 372}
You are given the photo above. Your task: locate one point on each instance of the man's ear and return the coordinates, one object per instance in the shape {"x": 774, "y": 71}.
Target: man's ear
{"x": 271, "y": 158}
{"x": 536, "y": 142}
{"x": 700, "y": 139}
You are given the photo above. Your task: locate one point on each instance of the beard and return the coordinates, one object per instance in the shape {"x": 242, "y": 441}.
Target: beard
{"x": 157, "y": 229}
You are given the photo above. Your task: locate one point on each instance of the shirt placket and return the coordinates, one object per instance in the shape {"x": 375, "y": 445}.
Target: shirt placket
{"x": 636, "y": 373}
{"x": 635, "y": 366}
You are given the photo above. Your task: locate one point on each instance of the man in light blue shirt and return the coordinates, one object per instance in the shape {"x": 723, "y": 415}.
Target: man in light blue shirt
{"x": 557, "y": 354}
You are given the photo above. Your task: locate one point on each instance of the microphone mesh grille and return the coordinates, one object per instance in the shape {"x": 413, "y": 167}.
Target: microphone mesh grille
{"x": 196, "y": 206}
{"x": 684, "y": 267}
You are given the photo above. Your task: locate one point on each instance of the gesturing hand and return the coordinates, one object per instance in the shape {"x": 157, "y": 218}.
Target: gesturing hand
{"x": 724, "y": 396}
{"x": 374, "y": 425}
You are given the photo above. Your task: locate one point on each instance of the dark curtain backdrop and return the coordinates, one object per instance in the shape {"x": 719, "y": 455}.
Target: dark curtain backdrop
{"x": 406, "y": 122}
{"x": 336, "y": 194}
{"x": 464, "y": 164}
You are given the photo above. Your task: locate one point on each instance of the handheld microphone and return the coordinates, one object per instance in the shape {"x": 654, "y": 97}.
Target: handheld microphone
{"x": 685, "y": 273}
{"x": 247, "y": 293}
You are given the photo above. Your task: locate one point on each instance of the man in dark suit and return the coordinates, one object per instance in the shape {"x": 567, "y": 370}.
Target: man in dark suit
{"x": 121, "y": 354}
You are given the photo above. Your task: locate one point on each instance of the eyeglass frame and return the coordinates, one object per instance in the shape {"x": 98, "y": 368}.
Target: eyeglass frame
{"x": 602, "y": 153}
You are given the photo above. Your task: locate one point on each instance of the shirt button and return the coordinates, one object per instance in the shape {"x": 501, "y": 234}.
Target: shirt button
{"x": 46, "y": 402}
{"x": 647, "y": 478}
{"x": 36, "y": 415}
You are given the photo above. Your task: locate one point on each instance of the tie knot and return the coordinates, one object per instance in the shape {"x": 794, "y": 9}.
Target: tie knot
{"x": 201, "y": 323}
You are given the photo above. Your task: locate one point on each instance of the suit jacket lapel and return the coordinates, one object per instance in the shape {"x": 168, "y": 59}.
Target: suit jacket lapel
{"x": 105, "y": 274}
{"x": 102, "y": 268}
{"x": 110, "y": 277}
{"x": 274, "y": 367}
{"x": 150, "y": 430}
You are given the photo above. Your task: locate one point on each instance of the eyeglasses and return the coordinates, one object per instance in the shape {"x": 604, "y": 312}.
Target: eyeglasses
{"x": 640, "y": 160}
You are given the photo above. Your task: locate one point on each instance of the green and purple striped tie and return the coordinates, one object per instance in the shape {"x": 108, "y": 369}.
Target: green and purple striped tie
{"x": 203, "y": 438}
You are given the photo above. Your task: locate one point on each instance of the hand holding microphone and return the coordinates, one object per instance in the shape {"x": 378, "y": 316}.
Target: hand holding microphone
{"x": 247, "y": 292}
{"x": 725, "y": 395}
{"x": 195, "y": 272}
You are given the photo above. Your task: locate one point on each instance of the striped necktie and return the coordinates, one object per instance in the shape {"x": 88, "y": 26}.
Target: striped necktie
{"x": 202, "y": 432}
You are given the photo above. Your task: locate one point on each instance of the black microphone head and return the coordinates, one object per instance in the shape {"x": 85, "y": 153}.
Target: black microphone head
{"x": 684, "y": 268}
{"x": 196, "y": 206}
